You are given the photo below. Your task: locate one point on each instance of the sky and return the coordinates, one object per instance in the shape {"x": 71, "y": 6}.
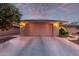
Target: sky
{"x": 60, "y": 11}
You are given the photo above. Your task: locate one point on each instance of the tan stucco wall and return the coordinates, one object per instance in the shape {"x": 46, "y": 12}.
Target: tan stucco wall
{"x": 55, "y": 31}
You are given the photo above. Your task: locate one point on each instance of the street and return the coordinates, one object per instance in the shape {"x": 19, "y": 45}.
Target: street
{"x": 39, "y": 46}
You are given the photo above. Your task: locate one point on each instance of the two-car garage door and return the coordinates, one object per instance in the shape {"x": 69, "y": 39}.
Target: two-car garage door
{"x": 38, "y": 29}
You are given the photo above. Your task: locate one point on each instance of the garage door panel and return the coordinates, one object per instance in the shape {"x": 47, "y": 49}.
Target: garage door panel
{"x": 41, "y": 29}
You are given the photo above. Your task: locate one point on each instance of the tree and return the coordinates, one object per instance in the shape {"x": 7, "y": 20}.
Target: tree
{"x": 8, "y": 15}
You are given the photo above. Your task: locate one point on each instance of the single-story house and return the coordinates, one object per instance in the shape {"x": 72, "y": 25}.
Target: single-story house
{"x": 72, "y": 28}
{"x": 40, "y": 27}
{"x": 12, "y": 31}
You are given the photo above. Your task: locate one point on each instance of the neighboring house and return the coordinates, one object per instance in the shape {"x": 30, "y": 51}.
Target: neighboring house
{"x": 12, "y": 31}
{"x": 72, "y": 29}
{"x": 40, "y": 27}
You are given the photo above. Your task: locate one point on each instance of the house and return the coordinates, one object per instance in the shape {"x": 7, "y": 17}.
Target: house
{"x": 12, "y": 31}
{"x": 40, "y": 27}
{"x": 72, "y": 28}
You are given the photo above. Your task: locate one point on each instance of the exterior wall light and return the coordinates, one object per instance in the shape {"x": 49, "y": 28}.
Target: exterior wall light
{"x": 56, "y": 24}
{"x": 22, "y": 24}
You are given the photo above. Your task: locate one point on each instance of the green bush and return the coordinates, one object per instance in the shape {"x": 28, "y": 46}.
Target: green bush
{"x": 62, "y": 32}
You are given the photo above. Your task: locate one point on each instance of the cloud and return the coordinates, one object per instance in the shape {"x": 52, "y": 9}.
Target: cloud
{"x": 18, "y": 5}
{"x": 66, "y": 11}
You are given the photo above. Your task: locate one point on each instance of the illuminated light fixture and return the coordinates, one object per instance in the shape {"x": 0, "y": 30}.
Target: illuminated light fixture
{"x": 22, "y": 24}
{"x": 56, "y": 24}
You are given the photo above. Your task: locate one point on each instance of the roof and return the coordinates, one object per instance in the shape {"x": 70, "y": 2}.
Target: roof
{"x": 43, "y": 20}
{"x": 70, "y": 25}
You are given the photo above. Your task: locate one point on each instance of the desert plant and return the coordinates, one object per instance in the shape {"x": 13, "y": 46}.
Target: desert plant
{"x": 62, "y": 32}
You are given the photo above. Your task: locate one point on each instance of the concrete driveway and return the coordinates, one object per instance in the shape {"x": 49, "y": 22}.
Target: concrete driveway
{"x": 39, "y": 46}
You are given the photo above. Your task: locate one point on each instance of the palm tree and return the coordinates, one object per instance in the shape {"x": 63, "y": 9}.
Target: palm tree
{"x": 8, "y": 15}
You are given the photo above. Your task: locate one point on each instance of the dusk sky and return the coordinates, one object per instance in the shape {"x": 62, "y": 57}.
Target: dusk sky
{"x": 58, "y": 11}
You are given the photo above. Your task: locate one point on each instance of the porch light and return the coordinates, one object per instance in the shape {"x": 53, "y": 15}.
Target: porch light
{"x": 56, "y": 24}
{"x": 22, "y": 24}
